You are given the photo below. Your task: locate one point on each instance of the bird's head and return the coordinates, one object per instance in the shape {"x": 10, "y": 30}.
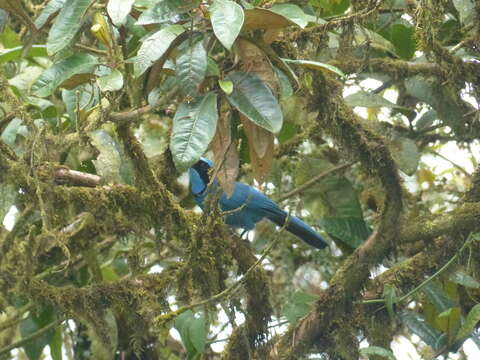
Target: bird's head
{"x": 199, "y": 175}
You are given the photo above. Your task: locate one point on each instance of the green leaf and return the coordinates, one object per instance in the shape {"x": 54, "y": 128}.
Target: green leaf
{"x": 226, "y": 86}
{"x": 62, "y": 71}
{"x": 212, "y": 68}
{"x": 111, "y": 82}
{"x": 33, "y": 323}
{"x": 369, "y": 100}
{"x": 24, "y": 81}
{"x": 118, "y": 10}
{"x": 403, "y": 38}
{"x": 197, "y": 332}
{"x": 377, "y": 351}
{"x": 426, "y": 120}
{"x": 52, "y": 7}
{"x": 108, "y": 161}
{"x": 315, "y": 65}
{"x": 440, "y": 98}
{"x": 471, "y": 321}
{"x": 9, "y": 134}
{"x": 194, "y": 126}
{"x": 66, "y": 25}
{"x": 154, "y": 46}
{"x": 191, "y": 67}
{"x": 227, "y": 19}
{"x": 417, "y": 325}
{"x": 16, "y": 53}
{"x": 365, "y": 36}
{"x": 292, "y": 12}
{"x": 391, "y": 298}
{"x": 353, "y": 231}
{"x": 289, "y": 130}
{"x": 462, "y": 278}
{"x": 192, "y": 332}
{"x": 405, "y": 153}
{"x": 286, "y": 88}
{"x": 466, "y": 10}
{"x": 299, "y": 304}
{"x": 89, "y": 95}
{"x": 438, "y": 297}
{"x": 166, "y": 11}
{"x": 255, "y": 100}
{"x": 331, "y": 7}
{"x": 56, "y": 345}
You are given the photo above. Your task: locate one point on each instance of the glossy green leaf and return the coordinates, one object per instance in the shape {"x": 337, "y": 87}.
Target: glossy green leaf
{"x": 9, "y": 134}
{"x": 118, "y": 10}
{"x": 462, "y": 278}
{"x": 154, "y": 46}
{"x": 194, "y": 126}
{"x": 166, "y": 11}
{"x": 33, "y": 323}
{"x": 191, "y": 67}
{"x": 111, "y": 82}
{"x": 377, "y": 351}
{"x": 23, "y": 82}
{"x": 52, "y": 7}
{"x": 108, "y": 161}
{"x": 286, "y": 88}
{"x": 54, "y": 76}
{"x": 417, "y": 325}
{"x": 298, "y": 305}
{"x": 226, "y": 86}
{"x": 405, "y": 153}
{"x": 16, "y": 53}
{"x": 438, "y": 297}
{"x": 353, "y": 231}
{"x": 471, "y": 321}
{"x": 227, "y": 19}
{"x": 255, "y": 100}
{"x": 369, "y": 100}
{"x": 292, "y": 12}
{"x": 66, "y": 25}
{"x": 315, "y": 65}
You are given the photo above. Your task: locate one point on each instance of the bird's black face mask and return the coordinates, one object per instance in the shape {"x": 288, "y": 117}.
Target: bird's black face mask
{"x": 203, "y": 168}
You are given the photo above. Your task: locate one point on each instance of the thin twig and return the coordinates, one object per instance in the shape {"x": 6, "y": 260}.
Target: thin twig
{"x": 29, "y": 338}
{"x": 231, "y": 289}
{"x": 313, "y": 181}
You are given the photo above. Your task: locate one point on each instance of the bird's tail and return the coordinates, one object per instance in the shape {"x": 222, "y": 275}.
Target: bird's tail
{"x": 299, "y": 228}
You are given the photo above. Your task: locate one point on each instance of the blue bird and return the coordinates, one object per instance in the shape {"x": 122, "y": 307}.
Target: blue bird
{"x": 252, "y": 205}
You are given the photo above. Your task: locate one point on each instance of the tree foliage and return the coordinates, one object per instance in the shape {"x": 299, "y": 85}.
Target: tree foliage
{"x": 340, "y": 110}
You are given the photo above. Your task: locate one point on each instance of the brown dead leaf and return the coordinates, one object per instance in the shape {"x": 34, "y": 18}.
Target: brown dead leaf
{"x": 225, "y": 154}
{"x": 264, "y": 19}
